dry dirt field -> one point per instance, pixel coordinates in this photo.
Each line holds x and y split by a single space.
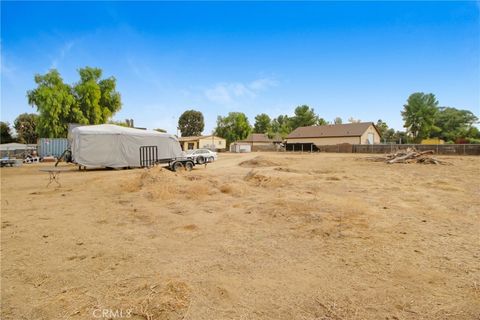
252 236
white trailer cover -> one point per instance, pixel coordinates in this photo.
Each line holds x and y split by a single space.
108 145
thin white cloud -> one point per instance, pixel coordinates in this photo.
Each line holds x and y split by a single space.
219 94
64 50
227 93
263 84
145 73
6 70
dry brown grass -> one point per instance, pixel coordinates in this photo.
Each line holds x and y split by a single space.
259 162
275 236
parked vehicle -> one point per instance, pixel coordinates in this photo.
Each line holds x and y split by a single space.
112 146
202 156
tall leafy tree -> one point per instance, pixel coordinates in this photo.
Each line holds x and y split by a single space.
90 101
97 99
26 127
262 123
304 116
337 120
56 105
419 115
280 126
233 127
454 123
191 123
5 132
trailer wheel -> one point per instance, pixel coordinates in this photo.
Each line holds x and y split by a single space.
177 166
188 166
211 159
200 159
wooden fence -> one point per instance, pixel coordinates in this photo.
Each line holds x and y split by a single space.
448 149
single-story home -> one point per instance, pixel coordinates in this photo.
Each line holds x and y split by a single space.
261 141
203 142
352 133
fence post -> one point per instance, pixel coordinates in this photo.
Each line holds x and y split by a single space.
437 148
311 148
464 146
302 147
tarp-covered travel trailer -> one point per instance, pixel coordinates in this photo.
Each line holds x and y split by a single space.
112 146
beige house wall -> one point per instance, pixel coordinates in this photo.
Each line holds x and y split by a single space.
376 136
338 140
219 143
263 143
185 144
326 141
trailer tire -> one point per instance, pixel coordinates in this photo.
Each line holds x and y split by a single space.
211 159
177 166
200 159
189 165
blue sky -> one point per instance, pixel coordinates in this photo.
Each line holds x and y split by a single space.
347 59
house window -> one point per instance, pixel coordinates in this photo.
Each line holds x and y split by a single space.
191 146
220 142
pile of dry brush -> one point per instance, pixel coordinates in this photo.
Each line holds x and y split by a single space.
410 155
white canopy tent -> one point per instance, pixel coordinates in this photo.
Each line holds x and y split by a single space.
108 145
17 146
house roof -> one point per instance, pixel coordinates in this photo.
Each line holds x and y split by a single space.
332 130
258 137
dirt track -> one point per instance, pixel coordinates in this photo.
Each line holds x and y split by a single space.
280 236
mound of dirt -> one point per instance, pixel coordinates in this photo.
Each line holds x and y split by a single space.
257 162
260 180
146 178
162 184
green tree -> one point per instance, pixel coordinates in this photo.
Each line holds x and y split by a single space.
191 123
26 127
338 120
321 122
353 120
97 99
233 127
400 137
160 130
419 115
387 134
5 132
304 116
119 123
90 101
56 105
262 123
281 126
454 124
